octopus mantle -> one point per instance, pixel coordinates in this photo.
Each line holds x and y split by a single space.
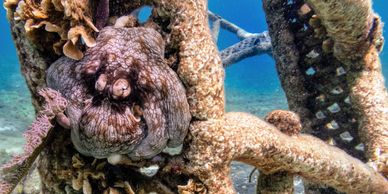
123 97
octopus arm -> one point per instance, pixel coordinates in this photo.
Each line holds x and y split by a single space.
156 137
177 110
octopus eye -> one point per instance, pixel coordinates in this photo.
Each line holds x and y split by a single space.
120 89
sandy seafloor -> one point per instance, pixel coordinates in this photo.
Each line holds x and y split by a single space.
251 85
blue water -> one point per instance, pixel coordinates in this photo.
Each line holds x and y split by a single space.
8 59
258 73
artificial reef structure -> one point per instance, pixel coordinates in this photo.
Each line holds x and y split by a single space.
114 98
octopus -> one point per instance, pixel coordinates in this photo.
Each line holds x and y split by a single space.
123 98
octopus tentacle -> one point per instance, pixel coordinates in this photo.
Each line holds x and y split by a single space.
156 138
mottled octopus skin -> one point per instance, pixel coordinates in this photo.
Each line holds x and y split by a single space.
103 125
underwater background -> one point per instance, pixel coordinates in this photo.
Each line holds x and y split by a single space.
251 85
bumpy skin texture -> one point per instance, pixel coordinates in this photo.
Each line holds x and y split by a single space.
123 97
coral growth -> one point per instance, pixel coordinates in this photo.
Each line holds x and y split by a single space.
337 41
202 75
280 182
352 25
246 138
286 121
69 20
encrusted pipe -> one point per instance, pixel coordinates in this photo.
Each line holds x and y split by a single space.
246 138
287 56
280 182
200 66
356 32
351 24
